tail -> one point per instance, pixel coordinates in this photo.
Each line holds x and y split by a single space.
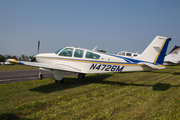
156 50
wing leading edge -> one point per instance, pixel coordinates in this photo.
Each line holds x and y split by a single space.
43 65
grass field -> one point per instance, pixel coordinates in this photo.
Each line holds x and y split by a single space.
138 95
15 67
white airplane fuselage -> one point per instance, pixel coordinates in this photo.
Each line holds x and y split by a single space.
106 62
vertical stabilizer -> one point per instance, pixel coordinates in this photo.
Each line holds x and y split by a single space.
156 50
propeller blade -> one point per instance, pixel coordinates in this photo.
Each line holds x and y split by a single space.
38 46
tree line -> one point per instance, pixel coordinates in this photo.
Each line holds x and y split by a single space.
21 58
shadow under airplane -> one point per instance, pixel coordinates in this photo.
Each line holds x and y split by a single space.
176 73
74 82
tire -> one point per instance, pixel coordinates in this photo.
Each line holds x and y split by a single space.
40 76
81 75
56 81
62 81
59 81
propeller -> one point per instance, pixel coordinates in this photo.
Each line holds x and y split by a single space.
34 58
38 46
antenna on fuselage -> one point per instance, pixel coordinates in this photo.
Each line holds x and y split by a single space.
95 48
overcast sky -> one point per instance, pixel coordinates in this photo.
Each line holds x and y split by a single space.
113 25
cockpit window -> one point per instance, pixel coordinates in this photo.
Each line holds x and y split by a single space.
67 52
92 55
59 50
78 53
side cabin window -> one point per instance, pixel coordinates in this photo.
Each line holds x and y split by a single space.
78 53
122 53
128 54
92 55
66 52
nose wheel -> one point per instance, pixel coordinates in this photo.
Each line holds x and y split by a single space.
40 76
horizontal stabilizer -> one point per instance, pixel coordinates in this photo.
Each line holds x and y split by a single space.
152 65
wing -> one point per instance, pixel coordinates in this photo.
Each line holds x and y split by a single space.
60 67
152 65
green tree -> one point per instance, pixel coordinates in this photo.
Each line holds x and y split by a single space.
2 58
10 57
101 51
31 58
23 58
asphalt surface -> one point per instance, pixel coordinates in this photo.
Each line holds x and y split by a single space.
24 75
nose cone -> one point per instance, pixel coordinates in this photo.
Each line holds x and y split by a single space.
33 59
44 56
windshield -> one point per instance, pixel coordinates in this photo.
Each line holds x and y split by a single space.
66 52
59 50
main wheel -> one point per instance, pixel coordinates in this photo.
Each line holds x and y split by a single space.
62 81
59 81
81 75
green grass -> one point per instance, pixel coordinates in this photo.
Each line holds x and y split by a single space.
15 67
138 95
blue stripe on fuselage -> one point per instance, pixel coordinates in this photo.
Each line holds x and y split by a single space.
128 60
21 63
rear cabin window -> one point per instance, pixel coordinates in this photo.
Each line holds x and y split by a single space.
78 53
66 52
92 55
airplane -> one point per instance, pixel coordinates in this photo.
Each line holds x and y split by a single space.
6 63
128 54
84 61
173 57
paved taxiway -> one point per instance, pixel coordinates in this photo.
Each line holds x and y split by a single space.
23 75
